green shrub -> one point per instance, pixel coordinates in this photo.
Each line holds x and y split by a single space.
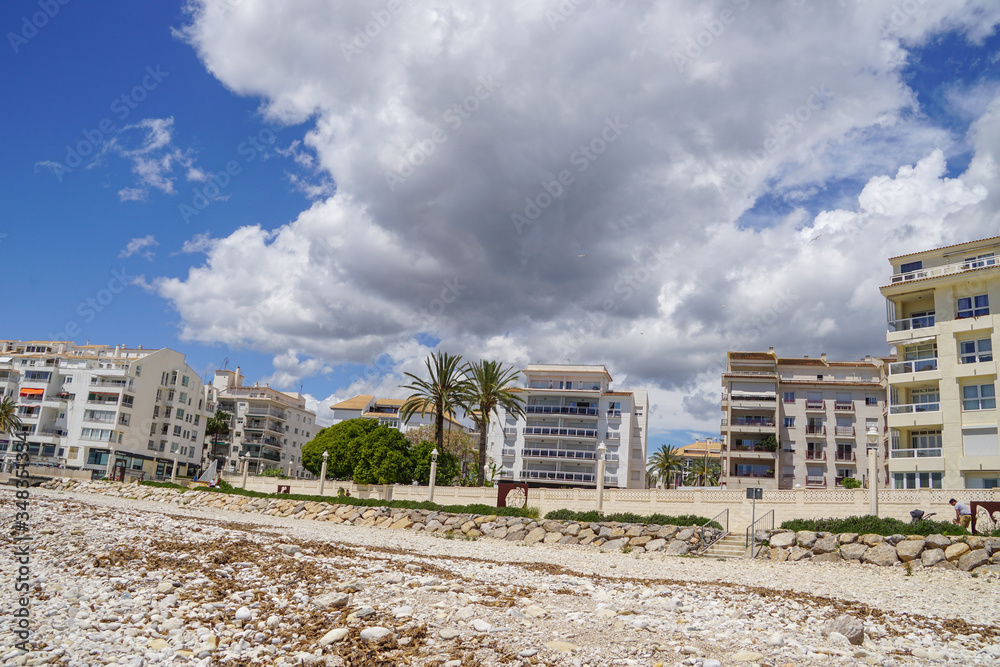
163 485
877 525
627 517
274 472
850 483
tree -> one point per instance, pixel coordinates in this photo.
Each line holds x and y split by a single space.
489 390
9 421
384 458
439 395
215 428
703 473
664 464
343 442
457 442
447 465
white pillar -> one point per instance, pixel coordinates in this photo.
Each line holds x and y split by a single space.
246 469
601 453
111 463
173 471
322 472
873 471
433 479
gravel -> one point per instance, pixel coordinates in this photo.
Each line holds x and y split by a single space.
127 582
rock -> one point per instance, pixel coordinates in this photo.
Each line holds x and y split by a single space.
871 539
528 653
956 551
158 644
289 549
375 633
402 612
479 625
931 557
677 548
848 626
332 600
561 647
614 545
937 541
747 656
243 614
536 535
798 553
448 633
165 587
711 662
847 538
973 559
832 557
534 611
332 636
882 555
685 534
776 639
656 545
825 546
782 540
688 650
908 550
805 538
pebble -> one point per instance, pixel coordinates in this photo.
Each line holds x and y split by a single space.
375 633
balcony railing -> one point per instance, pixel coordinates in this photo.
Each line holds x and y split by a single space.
907 408
612 435
944 270
843 406
844 431
568 432
915 366
813 429
752 448
558 454
845 457
268 412
615 414
52 431
101 382
751 421
559 410
815 455
920 453
815 481
909 323
815 405
755 475
558 476
750 397
508 452
270 442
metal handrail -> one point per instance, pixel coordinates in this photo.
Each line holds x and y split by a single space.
751 536
723 519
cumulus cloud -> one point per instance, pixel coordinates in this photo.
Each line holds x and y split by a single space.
140 246
537 184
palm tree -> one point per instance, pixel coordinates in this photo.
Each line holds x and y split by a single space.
9 421
439 395
217 426
664 464
704 472
489 390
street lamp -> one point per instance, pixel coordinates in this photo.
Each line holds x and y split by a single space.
873 471
111 463
246 468
434 469
602 451
173 471
322 472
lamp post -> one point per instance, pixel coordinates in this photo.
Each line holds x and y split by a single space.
602 451
246 468
873 471
434 470
173 471
111 463
322 472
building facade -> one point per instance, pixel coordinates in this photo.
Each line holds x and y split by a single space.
570 410
266 426
82 406
386 412
817 413
942 382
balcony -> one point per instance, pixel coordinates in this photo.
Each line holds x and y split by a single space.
556 476
845 457
908 408
612 435
815 405
751 421
816 481
814 429
614 414
911 323
267 412
843 431
558 454
915 366
755 475
508 452
559 410
267 442
945 269
752 448
815 455
843 406
561 432
920 453
103 382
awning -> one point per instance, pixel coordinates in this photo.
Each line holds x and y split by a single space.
914 341
32 392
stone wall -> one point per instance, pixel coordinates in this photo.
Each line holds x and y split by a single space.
968 553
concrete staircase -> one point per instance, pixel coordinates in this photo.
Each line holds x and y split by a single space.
730 546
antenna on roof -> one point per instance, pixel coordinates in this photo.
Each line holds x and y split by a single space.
225 362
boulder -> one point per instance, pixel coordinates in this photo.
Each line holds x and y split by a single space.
937 541
677 548
655 545
536 535
973 559
882 555
614 545
331 600
667 532
805 538
780 555
825 545
847 538
685 534
855 551
956 551
871 539
782 540
832 557
848 626
799 553
908 550
640 541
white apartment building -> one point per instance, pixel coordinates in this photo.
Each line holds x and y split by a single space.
266 425
82 404
386 412
818 411
942 315
570 410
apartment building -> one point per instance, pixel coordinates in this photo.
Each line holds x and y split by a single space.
570 410
695 456
386 412
266 425
942 382
818 413
82 405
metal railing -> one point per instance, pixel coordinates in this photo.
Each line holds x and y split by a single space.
908 323
908 408
922 452
814 405
914 366
843 406
766 522
844 431
557 476
945 269
722 518
751 421
571 432
559 410
558 454
813 429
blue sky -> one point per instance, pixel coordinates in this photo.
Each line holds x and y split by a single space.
216 179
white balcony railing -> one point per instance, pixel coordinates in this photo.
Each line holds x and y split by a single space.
909 323
925 452
908 408
915 366
944 270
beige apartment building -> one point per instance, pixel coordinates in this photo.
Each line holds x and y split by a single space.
818 411
386 412
942 384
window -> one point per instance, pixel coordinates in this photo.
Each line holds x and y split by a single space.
971 351
180 413
196 419
159 394
138 371
124 419
173 377
909 267
170 395
165 429
152 429
916 480
174 447
156 411
151 446
871 400
973 306
978 397
183 397
789 422
819 376
167 411
185 380
925 400
177 430
163 445
979 261
789 397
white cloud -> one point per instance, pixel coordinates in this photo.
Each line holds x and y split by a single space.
153 158
133 194
140 246
641 261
